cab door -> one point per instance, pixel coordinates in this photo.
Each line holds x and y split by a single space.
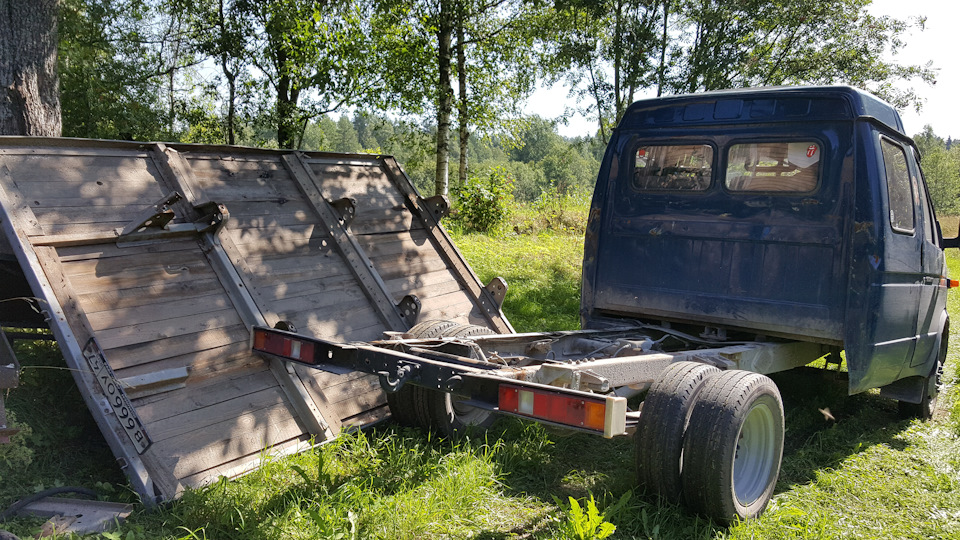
901 279
933 272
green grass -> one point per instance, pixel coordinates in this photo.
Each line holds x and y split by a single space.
542 273
866 474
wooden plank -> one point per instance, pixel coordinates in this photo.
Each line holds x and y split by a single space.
344 301
273 221
391 224
399 243
139 333
206 417
107 191
367 328
154 382
183 345
248 463
203 394
367 418
269 208
231 169
343 388
135 263
202 365
17 205
147 277
359 402
426 284
278 239
277 248
127 150
40 171
453 307
97 301
273 275
113 199
159 309
276 289
86 215
392 267
243 435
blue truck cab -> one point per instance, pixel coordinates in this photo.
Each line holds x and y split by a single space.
775 214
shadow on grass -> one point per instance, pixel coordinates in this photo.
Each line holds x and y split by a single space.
825 426
543 464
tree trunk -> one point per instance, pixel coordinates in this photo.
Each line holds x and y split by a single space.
663 48
232 103
229 74
463 110
29 92
445 98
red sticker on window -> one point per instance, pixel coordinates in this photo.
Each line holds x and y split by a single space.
811 150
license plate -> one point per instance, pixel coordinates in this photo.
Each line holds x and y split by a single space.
119 402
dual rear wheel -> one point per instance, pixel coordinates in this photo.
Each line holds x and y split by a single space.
439 411
711 438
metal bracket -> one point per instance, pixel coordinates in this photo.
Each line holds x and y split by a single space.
213 217
347 208
391 383
438 205
497 289
409 307
286 326
156 217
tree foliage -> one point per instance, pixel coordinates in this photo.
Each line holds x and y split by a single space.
267 72
941 169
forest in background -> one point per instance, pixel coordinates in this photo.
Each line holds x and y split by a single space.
442 84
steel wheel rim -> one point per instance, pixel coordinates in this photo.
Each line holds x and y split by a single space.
755 454
466 414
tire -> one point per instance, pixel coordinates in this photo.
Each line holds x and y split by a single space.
658 441
733 446
433 409
448 416
931 387
406 404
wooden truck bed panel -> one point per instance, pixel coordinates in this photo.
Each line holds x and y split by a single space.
169 309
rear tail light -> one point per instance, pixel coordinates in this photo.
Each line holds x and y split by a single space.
605 415
284 346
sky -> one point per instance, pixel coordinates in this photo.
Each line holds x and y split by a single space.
937 42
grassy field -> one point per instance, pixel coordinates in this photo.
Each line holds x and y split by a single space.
864 474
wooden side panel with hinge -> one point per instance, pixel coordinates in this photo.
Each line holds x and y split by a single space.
294 270
405 246
170 313
156 309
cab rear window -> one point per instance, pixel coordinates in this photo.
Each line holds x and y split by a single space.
782 167
682 167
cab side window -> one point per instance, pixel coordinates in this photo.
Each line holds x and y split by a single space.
930 232
899 192
684 167
785 167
